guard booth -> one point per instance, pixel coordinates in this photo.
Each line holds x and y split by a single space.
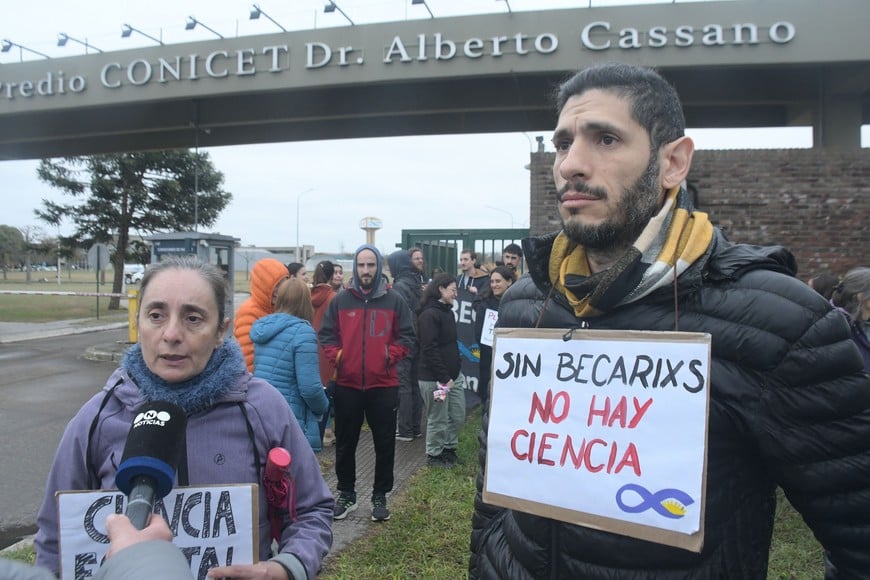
215 249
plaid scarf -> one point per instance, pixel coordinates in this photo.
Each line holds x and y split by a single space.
672 240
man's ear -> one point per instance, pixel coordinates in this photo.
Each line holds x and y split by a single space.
675 161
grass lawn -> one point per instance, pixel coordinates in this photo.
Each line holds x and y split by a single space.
429 533
36 308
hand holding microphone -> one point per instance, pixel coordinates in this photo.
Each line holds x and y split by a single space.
122 534
151 454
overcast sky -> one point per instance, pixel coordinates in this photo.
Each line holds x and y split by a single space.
469 181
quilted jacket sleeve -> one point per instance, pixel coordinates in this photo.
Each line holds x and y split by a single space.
813 428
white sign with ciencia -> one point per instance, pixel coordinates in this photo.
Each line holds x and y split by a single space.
606 429
213 525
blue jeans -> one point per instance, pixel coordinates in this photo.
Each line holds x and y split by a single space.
444 419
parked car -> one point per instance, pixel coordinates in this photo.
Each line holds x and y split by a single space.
134 277
133 273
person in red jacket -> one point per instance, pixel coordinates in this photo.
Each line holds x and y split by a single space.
366 331
265 277
321 295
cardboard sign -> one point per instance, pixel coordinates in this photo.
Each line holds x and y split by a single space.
213 525
605 429
487 334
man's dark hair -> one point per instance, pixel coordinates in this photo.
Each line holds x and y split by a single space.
653 102
471 253
514 249
323 272
825 284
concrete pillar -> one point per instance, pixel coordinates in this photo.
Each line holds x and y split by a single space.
838 119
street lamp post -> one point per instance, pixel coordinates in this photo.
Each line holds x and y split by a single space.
503 211
58 254
298 197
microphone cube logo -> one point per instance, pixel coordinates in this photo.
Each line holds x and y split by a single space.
151 417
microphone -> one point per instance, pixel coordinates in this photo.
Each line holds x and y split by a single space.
151 454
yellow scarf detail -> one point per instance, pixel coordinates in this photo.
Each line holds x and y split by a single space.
672 241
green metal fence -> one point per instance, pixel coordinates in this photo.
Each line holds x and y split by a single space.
441 247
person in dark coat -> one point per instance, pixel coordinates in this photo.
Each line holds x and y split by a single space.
407 284
500 279
789 403
442 384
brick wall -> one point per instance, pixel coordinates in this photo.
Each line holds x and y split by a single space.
814 202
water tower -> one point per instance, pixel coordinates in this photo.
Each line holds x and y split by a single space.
370 225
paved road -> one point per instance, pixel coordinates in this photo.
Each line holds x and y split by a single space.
42 384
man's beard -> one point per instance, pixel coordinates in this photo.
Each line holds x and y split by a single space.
363 285
639 203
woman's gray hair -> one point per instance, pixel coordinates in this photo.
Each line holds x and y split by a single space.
213 276
855 282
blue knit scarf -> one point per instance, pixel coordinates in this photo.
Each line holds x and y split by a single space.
196 394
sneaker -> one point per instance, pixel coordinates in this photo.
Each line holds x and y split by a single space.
345 504
438 461
380 513
418 434
403 437
328 438
451 457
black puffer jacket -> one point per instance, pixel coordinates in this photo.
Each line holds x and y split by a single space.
789 406
439 352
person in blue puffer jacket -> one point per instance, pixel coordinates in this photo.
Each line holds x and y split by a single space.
285 355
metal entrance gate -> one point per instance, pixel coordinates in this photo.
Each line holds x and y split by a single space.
441 247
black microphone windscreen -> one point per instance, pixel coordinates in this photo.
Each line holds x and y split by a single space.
153 446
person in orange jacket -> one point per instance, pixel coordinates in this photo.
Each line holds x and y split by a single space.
265 277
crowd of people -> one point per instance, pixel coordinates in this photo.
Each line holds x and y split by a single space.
789 396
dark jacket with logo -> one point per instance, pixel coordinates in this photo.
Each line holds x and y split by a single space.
789 407
366 334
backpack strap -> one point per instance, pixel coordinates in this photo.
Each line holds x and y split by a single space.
183 476
253 441
89 455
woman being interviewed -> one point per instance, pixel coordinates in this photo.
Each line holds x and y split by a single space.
285 355
234 419
442 384
500 279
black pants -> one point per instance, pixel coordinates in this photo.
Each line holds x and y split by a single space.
410 402
378 407
484 375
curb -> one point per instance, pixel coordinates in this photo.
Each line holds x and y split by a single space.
62 331
22 544
112 352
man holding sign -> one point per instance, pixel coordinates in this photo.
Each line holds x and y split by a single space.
785 402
